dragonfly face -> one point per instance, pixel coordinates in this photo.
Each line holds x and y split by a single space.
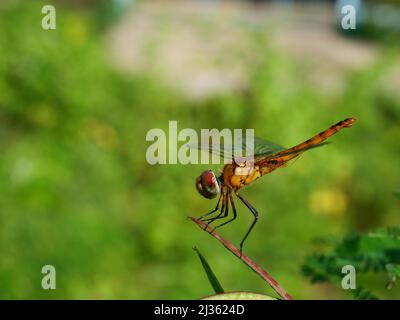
208 185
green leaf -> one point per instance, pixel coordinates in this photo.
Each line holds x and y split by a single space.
239 295
376 251
363 294
210 274
393 271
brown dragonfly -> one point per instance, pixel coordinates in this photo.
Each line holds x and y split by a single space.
266 158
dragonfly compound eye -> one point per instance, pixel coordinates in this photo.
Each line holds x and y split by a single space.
207 184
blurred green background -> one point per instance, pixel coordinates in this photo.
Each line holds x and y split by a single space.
76 103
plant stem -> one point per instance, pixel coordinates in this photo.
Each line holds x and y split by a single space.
254 266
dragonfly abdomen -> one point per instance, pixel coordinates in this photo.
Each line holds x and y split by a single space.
320 137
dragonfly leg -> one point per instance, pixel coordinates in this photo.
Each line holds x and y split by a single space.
224 210
233 210
212 211
255 214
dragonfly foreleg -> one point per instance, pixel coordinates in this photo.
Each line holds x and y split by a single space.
224 210
212 211
255 214
233 210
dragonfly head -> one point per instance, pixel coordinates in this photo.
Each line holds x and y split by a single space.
208 185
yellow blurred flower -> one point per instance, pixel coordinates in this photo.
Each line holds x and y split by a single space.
75 30
329 202
43 115
102 134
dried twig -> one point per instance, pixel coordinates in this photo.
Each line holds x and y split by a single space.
254 266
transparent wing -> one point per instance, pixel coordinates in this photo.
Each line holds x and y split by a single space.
264 148
225 151
241 149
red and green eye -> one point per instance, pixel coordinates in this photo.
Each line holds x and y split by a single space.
207 184
208 178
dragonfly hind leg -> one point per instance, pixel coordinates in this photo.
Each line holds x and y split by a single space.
255 214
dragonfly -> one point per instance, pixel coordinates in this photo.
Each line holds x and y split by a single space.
240 172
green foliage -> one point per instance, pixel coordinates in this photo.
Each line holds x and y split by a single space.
377 251
210 274
393 271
